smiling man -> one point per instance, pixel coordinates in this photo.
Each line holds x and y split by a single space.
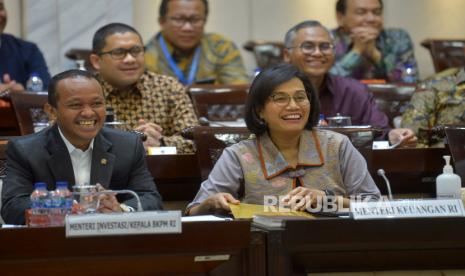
154 104
364 48
309 46
78 150
184 51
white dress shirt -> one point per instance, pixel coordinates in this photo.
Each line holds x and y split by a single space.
81 160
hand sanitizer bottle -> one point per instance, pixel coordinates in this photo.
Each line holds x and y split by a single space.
448 184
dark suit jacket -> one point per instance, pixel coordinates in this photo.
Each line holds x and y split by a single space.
118 162
20 59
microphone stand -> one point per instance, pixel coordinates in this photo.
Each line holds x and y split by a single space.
381 173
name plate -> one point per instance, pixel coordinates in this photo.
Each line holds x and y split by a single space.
407 209
134 223
161 150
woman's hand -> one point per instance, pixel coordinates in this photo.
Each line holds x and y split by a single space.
214 203
302 198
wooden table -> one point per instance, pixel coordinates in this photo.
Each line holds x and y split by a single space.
46 251
332 245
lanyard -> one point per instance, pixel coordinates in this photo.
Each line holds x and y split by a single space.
174 67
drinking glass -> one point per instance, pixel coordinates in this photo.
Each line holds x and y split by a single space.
87 198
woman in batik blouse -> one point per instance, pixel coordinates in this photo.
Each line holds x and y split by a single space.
287 160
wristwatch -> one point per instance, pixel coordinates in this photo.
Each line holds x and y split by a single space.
126 208
162 142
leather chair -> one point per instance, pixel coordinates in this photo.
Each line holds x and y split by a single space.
218 102
8 123
28 108
446 53
361 136
267 53
392 99
210 142
81 54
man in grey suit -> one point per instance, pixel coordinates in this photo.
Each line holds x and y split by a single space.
79 150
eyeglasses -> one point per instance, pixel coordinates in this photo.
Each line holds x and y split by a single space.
310 47
181 21
283 99
120 53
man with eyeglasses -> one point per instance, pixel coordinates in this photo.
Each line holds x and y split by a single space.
154 104
309 46
184 51
366 50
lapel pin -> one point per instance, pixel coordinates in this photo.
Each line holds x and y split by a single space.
103 161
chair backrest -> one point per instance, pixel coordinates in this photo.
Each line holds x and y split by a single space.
361 136
28 107
446 53
266 53
8 123
219 102
81 55
210 142
392 99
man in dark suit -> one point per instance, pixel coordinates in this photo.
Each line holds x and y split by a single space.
79 150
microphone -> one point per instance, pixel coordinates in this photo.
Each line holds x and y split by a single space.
388 185
206 122
136 196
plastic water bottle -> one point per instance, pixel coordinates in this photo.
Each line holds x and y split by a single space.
54 207
34 83
39 210
61 202
409 74
66 197
322 120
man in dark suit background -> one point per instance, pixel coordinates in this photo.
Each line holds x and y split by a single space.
79 150
18 59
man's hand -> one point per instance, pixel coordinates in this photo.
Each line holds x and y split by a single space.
404 137
153 132
364 42
108 202
10 85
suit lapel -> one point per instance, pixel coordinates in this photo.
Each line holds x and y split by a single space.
103 161
60 162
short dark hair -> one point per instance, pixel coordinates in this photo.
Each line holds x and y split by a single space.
292 33
163 10
262 87
98 42
341 6
70 74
